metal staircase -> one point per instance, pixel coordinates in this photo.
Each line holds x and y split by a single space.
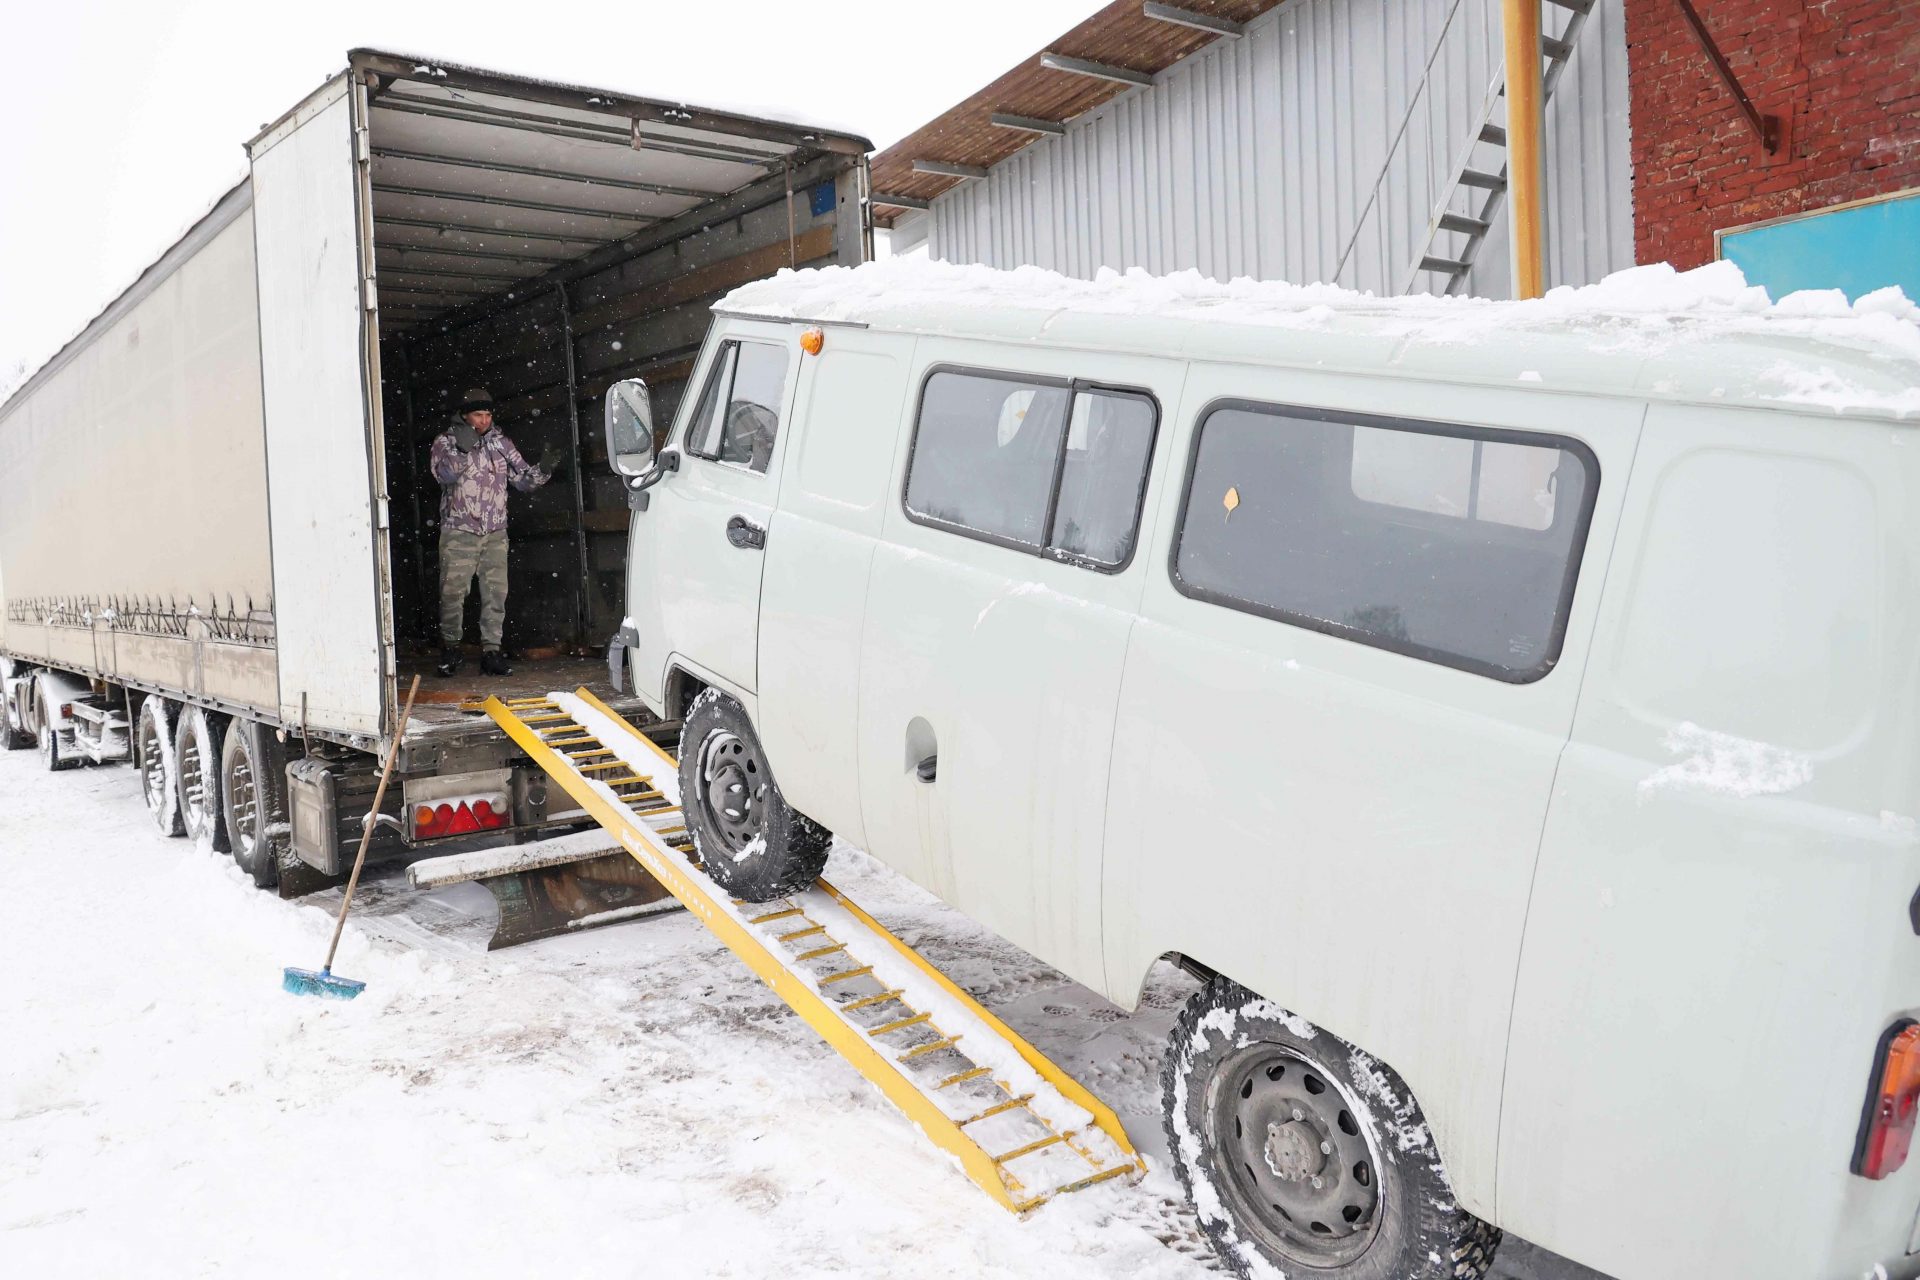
1468 207
1020 1127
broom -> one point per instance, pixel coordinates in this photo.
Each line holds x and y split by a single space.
305 982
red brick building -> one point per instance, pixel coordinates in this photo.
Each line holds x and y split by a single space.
1842 78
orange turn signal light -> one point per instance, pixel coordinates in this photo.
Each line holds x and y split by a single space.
812 340
1887 1128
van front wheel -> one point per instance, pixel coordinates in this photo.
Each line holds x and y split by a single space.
1299 1149
750 841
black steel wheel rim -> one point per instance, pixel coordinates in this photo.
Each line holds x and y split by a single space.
733 784
1299 1168
153 763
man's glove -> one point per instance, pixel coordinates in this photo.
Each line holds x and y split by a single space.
550 461
465 438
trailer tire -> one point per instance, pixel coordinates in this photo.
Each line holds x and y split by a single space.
253 799
153 756
13 735
196 760
1260 1106
751 842
48 737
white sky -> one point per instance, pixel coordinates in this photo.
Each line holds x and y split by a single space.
125 120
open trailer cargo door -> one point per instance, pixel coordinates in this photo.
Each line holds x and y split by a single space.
308 180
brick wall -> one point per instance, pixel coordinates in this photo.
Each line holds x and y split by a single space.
1844 75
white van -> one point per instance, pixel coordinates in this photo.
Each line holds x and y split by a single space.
1511 710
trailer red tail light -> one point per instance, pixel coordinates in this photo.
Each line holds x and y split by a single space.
461 817
1887 1128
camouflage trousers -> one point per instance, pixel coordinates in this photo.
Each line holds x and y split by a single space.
463 557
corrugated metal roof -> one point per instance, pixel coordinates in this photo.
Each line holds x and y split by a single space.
1119 35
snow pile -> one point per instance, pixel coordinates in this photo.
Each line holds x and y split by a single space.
1727 765
626 1102
1640 311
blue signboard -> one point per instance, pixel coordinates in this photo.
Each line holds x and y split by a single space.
1857 248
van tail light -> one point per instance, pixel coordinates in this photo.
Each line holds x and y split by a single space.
1887 1127
461 817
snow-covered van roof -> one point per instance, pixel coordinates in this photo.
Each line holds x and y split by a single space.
1652 332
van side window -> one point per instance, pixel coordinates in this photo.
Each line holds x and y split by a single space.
738 416
1454 545
1037 464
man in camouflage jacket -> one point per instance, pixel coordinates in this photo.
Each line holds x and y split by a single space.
474 464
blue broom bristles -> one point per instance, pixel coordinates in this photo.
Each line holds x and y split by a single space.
306 982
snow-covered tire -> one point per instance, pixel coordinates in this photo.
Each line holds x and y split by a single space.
1260 1105
14 735
48 738
153 730
751 842
196 762
253 799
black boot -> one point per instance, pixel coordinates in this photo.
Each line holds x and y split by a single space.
492 664
449 660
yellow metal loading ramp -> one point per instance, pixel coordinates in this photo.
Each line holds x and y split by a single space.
1019 1125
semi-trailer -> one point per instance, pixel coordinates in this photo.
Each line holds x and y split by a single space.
217 523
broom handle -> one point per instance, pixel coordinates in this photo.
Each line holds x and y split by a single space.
366 832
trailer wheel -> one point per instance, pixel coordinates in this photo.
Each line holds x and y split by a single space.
196 759
13 735
750 841
253 795
1301 1151
153 757
48 738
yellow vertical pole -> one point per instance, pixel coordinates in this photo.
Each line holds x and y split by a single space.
1526 174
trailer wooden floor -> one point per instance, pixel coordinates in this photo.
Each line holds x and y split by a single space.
443 700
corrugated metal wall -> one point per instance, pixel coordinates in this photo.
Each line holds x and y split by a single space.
1313 149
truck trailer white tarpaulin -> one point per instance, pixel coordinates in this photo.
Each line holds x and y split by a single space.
217 493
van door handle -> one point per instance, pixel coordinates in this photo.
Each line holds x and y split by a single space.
744 533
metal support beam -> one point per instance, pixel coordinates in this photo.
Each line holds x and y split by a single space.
392 269
578 455
901 202
433 291
1098 70
1032 124
549 175
423 602
504 202
578 130
1526 185
483 255
467 228
1198 21
1766 129
948 169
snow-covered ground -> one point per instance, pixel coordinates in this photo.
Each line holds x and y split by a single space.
627 1102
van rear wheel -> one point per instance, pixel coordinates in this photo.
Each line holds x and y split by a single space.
1297 1148
750 841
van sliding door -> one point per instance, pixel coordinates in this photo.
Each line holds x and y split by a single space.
313 345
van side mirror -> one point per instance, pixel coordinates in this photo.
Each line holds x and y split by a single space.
630 427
